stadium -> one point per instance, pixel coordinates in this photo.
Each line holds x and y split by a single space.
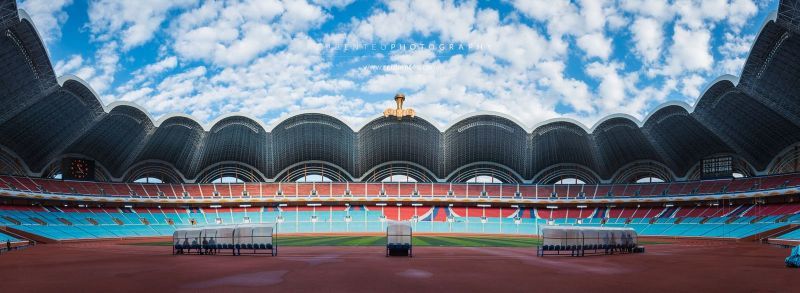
90 192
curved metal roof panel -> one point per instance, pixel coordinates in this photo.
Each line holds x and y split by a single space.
755 117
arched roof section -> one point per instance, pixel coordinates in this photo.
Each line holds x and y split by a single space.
555 173
82 90
681 138
490 169
313 136
560 142
236 169
789 14
485 138
9 14
771 73
67 117
162 170
403 168
176 141
749 128
636 170
510 119
27 71
240 115
387 139
114 138
301 170
620 141
238 139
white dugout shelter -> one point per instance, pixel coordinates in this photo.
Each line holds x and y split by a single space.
578 240
244 238
398 239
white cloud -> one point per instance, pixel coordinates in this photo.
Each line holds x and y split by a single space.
99 73
695 13
570 91
161 66
106 64
595 45
611 90
734 53
412 57
300 15
70 65
691 86
235 33
740 11
333 3
132 22
649 37
270 58
402 18
690 51
659 10
48 15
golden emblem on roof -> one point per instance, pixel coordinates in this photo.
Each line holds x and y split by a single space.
399 112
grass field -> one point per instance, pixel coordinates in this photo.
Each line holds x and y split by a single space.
355 240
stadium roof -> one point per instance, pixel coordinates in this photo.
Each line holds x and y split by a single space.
754 118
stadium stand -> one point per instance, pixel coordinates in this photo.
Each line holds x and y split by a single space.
754 121
82 221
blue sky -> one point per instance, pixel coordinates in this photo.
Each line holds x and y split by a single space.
531 59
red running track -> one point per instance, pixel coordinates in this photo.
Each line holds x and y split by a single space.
683 265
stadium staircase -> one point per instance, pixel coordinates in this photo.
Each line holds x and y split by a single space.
23 235
774 233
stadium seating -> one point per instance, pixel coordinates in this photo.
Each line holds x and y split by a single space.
688 220
64 223
764 183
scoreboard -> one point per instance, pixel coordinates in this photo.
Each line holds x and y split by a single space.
717 167
77 169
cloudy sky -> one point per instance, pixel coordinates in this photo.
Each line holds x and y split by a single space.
531 59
